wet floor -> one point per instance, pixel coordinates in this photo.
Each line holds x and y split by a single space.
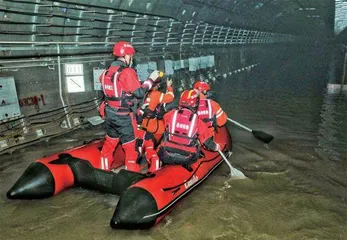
296 187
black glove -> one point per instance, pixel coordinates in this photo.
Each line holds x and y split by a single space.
139 119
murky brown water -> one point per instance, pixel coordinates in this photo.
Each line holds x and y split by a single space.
296 187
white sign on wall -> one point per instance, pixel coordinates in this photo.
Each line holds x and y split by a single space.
177 64
9 105
142 71
73 69
96 74
192 64
152 66
75 84
169 68
211 61
204 62
185 63
74 78
198 63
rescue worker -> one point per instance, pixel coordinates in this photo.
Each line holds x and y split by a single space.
208 110
153 107
184 133
152 112
122 89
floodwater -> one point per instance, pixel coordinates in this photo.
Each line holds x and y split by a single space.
296 185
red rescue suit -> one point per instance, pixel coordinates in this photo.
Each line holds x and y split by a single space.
148 143
122 90
211 113
183 134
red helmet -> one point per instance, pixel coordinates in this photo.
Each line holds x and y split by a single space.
120 49
201 86
189 98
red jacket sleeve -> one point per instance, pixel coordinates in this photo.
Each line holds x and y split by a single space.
221 116
203 131
168 96
206 136
131 83
129 80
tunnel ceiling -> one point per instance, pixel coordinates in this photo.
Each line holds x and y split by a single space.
47 28
283 16
298 17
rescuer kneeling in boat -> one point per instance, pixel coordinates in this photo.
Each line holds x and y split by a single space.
209 111
184 133
122 90
153 111
153 107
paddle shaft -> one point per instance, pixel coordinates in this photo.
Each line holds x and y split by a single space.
233 171
225 159
240 125
262 136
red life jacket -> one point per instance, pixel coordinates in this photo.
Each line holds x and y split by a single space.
205 111
180 144
181 132
114 92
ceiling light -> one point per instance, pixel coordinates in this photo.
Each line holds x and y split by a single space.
307 9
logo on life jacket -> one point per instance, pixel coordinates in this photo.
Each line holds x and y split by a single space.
191 182
108 87
203 112
183 126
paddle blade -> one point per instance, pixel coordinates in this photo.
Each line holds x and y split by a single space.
234 172
266 138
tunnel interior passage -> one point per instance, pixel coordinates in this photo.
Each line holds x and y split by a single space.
52 52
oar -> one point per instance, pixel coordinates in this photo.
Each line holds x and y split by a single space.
266 138
233 171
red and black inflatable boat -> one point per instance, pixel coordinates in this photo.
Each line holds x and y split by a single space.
144 199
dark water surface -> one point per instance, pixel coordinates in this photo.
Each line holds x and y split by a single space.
296 187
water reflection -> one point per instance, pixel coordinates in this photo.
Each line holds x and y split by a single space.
333 129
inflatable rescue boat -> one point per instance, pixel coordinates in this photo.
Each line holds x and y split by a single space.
144 199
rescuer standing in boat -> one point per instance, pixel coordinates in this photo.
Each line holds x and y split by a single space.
122 90
209 111
184 133
153 111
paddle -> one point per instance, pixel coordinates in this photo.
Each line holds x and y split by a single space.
266 138
233 171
